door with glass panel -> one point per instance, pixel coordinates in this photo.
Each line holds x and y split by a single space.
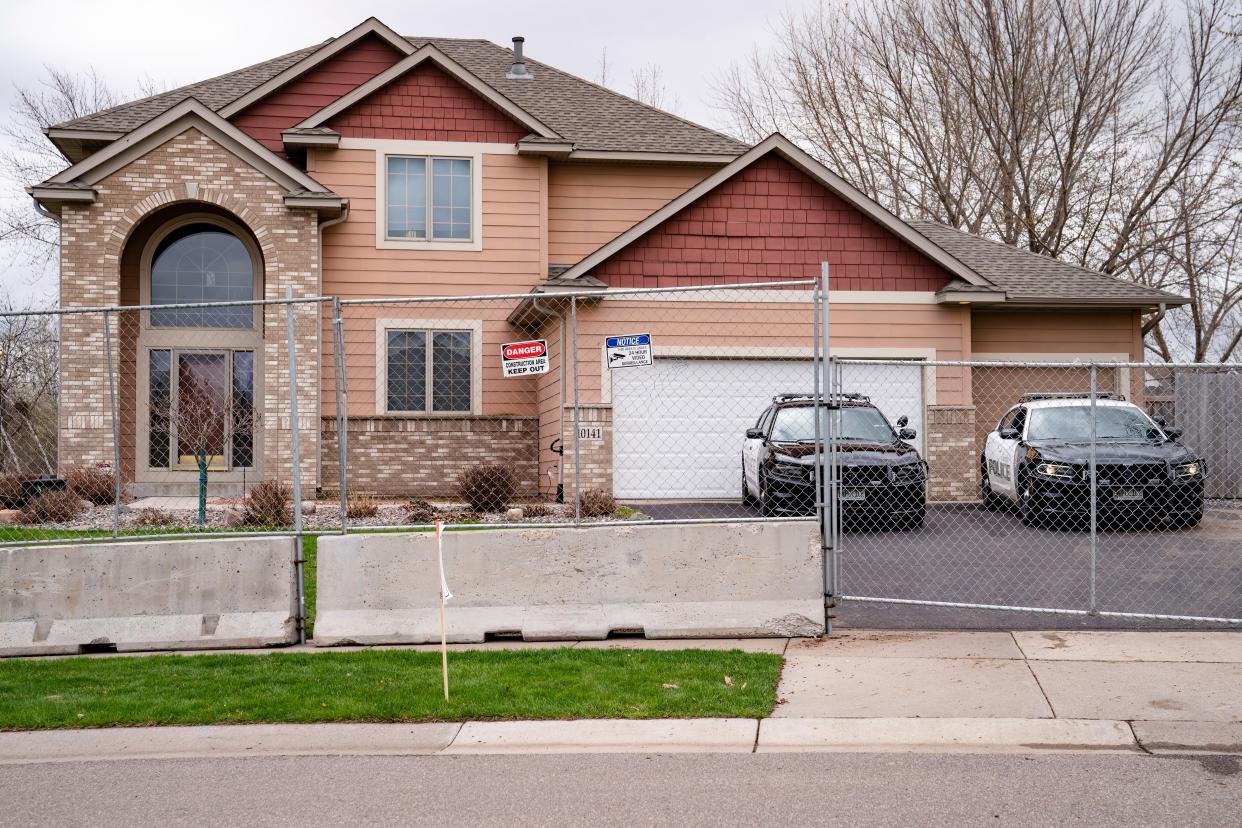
201 403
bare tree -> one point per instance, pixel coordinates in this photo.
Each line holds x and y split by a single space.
1104 132
648 86
601 76
28 157
28 388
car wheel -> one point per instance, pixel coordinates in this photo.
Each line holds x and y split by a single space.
991 501
1191 520
1026 504
766 507
747 498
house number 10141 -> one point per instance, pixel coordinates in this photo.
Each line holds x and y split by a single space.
590 432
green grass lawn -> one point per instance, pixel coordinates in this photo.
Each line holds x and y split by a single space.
385 686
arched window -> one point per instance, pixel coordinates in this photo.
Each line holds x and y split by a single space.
202 262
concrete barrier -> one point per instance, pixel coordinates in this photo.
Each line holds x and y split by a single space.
165 595
682 581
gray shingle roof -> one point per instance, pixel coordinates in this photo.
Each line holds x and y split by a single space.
593 117
1031 277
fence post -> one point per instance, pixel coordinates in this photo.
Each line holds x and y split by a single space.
1091 472
116 431
342 408
827 525
573 316
295 461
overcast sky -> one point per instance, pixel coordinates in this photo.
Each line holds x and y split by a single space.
175 43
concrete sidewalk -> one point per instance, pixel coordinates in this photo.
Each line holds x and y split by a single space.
856 691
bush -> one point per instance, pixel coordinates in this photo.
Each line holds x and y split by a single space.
536 510
154 518
269 504
420 511
488 487
52 506
362 506
92 484
11 494
597 503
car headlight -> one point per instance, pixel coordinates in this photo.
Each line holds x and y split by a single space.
789 471
909 473
1188 469
1057 470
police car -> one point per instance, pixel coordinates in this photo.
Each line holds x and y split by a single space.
883 478
1038 458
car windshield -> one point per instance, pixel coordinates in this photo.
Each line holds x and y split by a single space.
796 423
1073 424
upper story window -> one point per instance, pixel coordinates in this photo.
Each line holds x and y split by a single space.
428 198
202 262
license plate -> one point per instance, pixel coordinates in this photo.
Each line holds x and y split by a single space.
853 494
1128 494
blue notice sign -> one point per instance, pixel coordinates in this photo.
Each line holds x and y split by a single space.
628 351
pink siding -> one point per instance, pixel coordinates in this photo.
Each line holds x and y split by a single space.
771 221
591 204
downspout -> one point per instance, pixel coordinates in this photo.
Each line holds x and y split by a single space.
560 412
319 329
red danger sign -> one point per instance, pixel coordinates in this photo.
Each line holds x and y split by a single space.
524 359
521 350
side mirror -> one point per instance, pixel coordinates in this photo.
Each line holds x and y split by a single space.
754 434
907 433
1172 432
1158 420
1009 433
903 421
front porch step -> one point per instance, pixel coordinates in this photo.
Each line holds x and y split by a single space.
229 489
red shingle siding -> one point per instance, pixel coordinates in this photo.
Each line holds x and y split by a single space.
298 100
427 104
771 221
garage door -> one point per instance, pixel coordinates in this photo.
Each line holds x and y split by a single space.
678 425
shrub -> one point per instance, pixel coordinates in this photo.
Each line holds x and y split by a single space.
536 510
92 484
488 487
11 494
269 504
362 506
52 506
154 517
420 511
597 503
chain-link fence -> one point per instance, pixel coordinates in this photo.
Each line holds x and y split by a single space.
1109 488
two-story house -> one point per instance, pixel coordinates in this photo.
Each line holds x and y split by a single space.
376 165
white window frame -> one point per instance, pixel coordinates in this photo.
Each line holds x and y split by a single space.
472 152
472 326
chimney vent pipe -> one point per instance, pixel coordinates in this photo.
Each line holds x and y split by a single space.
518 70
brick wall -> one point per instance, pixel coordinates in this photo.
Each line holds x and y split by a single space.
426 104
595 456
771 221
952 456
413 456
189 168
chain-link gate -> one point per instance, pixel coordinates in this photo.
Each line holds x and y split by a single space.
1102 489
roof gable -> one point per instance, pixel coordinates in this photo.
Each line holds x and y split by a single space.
428 53
774 147
75 182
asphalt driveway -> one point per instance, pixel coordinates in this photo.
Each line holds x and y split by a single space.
966 554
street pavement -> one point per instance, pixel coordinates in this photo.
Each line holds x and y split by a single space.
634 789
967 554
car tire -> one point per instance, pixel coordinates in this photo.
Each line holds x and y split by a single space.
991 501
1191 520
747 498
1026 511
766 508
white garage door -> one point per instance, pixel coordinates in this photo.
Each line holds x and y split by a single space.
678 425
